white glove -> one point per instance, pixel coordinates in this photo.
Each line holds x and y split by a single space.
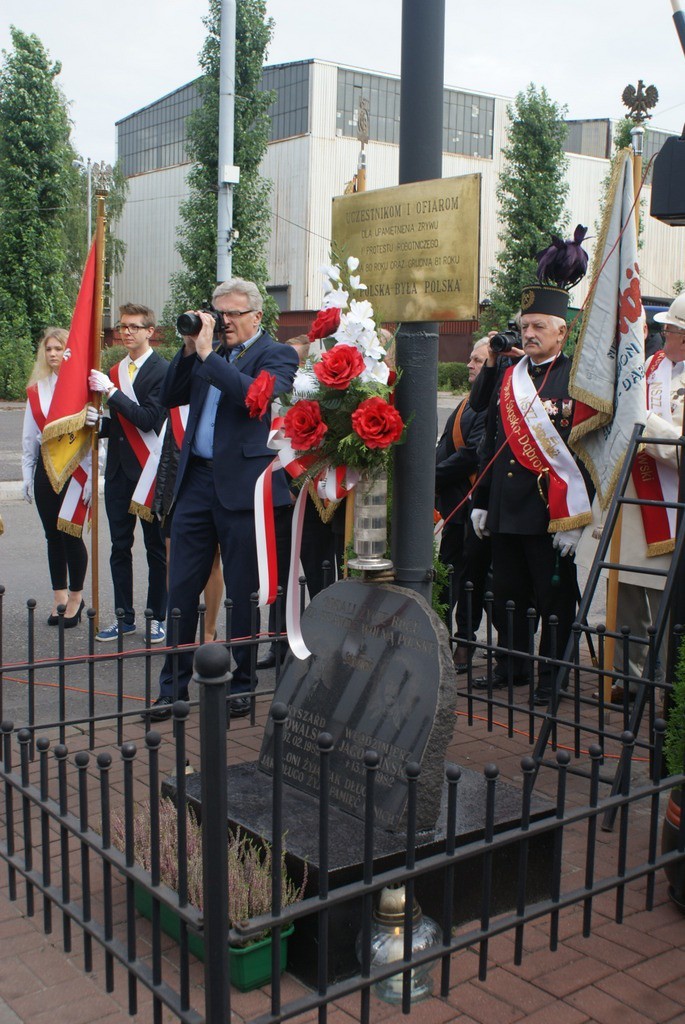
99 381
92 415
88 491
27 491
479 517
566 541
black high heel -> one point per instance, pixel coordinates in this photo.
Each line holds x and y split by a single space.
74 620
53 620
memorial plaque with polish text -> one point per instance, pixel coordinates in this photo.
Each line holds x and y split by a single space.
380 677
418 247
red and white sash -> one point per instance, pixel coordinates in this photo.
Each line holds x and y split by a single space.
653 480
73 511
179 421
146 445
538 447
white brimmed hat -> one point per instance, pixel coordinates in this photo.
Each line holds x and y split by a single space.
675 314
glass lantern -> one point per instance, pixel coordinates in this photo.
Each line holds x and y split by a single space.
387 945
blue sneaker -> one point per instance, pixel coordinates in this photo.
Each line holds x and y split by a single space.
112 632
157 632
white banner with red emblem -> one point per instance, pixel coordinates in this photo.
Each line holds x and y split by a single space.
607 377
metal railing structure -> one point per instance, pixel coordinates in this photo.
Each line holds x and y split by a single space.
56 844
72 757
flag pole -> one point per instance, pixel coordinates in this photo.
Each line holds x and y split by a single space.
96 398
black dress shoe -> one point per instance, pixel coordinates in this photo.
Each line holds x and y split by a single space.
238 707
541 697
498 682
162 708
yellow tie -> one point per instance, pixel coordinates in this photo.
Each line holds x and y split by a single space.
132 370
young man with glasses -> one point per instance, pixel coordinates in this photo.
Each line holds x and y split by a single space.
132 391
224 452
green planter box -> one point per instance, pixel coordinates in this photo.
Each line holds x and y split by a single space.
250 966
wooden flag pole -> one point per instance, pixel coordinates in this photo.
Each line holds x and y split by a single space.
97 400
637 134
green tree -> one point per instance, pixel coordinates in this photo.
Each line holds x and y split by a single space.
531 192
77 230
38 186
251 212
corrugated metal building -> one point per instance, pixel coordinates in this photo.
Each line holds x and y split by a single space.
312 155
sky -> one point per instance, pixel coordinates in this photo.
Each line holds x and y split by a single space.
119 57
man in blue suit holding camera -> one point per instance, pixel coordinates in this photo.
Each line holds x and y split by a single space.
224 452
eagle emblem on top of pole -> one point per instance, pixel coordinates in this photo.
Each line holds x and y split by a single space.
640 100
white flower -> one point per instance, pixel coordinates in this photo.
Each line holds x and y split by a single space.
305 383
332 272
352 264
363 313
356 284
376 371
336 297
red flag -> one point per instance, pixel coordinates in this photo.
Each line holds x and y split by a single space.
66 439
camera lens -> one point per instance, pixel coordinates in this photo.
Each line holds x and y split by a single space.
188 324
501 342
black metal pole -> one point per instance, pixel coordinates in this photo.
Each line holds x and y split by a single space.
421 100
211 671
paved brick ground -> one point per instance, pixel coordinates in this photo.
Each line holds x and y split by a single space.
622 973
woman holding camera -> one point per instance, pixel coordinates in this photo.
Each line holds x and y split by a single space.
67 554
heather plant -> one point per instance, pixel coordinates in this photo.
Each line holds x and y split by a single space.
249 862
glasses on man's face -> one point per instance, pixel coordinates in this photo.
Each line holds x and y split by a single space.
129 328
673 330
235 314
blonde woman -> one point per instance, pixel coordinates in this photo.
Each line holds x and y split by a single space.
67 555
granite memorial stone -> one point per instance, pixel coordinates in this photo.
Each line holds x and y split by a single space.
380 677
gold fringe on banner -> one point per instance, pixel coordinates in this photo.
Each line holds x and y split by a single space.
142 511
660 547
605 410
65 444
73 529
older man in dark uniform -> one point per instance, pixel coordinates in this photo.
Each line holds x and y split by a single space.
534 498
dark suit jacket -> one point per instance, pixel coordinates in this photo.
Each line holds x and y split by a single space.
147 415
240 442
453 467
509 491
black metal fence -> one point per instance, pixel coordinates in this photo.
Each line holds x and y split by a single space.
69 765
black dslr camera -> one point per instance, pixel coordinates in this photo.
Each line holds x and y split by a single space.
189 324
506 340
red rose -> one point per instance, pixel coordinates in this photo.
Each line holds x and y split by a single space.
339 366
258 397
304 426
377 423
326 323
